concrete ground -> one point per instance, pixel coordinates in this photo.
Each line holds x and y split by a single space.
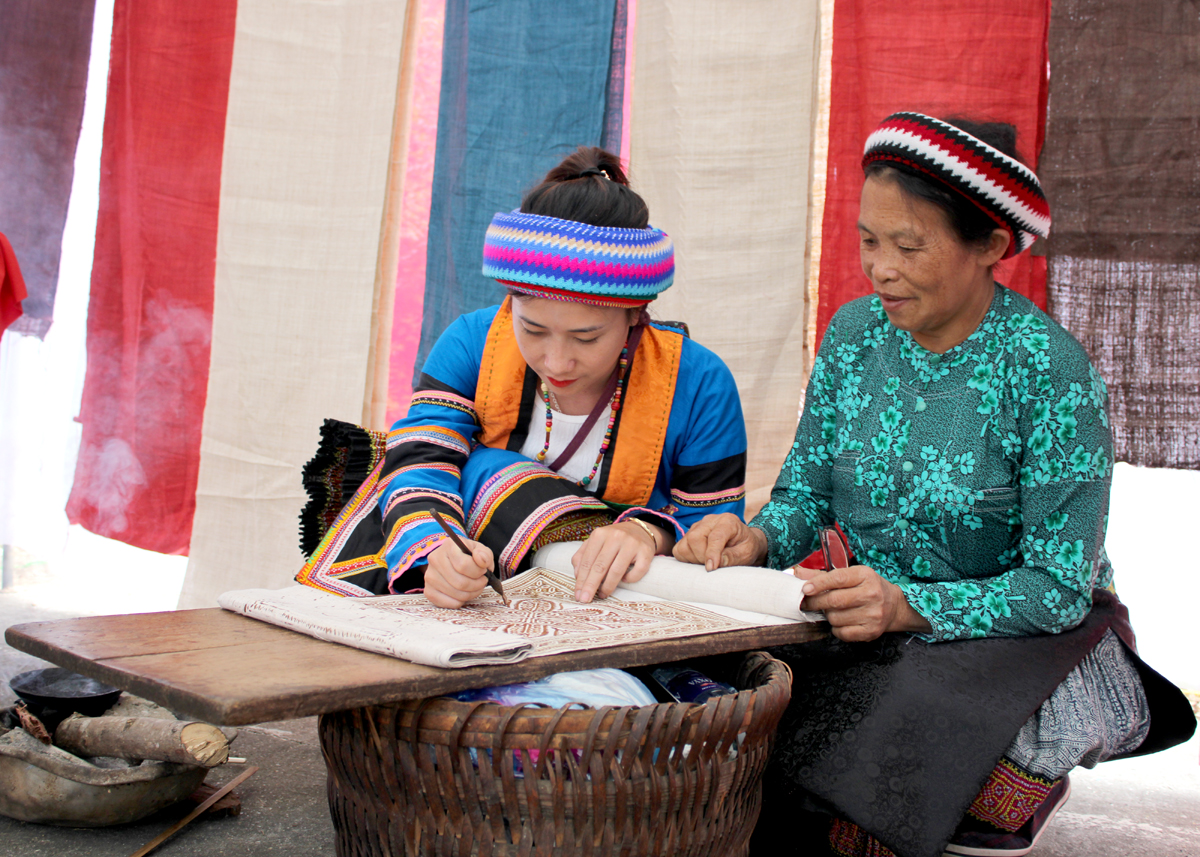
1148 807
1140 807
283 805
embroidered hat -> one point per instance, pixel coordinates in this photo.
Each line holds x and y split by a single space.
568 260
1003 188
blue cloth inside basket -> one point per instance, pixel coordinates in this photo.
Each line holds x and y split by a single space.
592 688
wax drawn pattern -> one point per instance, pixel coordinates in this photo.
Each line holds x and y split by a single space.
545 612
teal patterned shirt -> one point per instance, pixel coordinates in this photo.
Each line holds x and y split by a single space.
977 480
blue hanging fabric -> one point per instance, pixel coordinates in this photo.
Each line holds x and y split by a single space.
523 83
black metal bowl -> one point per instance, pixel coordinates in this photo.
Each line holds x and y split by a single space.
62 690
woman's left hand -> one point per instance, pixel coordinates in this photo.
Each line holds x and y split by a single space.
611 554
859 604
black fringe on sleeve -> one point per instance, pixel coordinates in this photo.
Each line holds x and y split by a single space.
345 457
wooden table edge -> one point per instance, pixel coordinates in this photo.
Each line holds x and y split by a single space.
246 711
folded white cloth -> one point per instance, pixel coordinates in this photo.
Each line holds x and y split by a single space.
756 590
356 622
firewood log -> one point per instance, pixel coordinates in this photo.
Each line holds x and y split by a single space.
187 743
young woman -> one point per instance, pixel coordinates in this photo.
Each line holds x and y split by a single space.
563 413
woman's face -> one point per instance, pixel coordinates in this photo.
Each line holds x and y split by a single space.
931 283
572 347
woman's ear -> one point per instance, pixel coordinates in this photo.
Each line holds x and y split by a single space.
995 248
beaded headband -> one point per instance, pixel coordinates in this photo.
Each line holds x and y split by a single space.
1002 187
571 261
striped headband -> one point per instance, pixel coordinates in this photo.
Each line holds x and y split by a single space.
1003 188
568 260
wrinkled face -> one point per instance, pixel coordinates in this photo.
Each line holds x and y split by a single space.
573 347
931 283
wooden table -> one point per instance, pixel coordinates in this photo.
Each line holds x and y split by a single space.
227 669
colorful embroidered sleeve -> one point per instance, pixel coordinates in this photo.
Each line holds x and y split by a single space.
1061 451
427 449
705 455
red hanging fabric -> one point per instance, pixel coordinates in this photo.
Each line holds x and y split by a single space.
12 285
972 58
150 314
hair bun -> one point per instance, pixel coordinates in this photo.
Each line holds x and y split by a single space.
567 194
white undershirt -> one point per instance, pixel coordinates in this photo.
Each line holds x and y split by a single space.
562 431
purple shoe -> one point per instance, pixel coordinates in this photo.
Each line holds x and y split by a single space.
979 839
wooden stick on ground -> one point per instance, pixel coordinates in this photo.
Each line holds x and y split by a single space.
191 816
143 738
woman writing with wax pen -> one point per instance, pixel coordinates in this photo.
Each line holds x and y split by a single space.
563 413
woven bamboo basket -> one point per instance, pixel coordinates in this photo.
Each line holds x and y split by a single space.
441 777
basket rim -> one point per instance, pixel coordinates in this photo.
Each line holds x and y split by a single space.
778 675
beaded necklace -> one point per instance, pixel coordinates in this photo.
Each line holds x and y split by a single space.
622 366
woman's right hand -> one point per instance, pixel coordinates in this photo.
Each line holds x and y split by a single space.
721 540
452 578
859 604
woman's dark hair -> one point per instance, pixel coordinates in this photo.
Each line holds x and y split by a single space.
588 186
640 315
967 220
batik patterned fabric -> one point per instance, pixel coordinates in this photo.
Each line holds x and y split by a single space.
1098 711
573 527
847 839
1002 187
569 260
976 480
542 608
516 500
1010 796
1007 800
437 460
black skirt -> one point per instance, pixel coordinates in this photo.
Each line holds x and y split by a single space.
898 735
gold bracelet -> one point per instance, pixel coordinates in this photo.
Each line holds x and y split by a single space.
649 531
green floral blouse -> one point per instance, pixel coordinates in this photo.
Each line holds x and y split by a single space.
977 480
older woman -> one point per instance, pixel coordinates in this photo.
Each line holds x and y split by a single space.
958 437
563 413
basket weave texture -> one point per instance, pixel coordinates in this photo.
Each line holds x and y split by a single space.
441 777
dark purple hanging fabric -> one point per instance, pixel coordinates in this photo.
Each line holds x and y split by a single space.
44 51
1121 171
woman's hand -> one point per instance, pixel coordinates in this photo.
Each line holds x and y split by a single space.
452 578
614 553
859 604
720 540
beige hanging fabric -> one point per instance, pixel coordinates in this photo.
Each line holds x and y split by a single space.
724 98
307 150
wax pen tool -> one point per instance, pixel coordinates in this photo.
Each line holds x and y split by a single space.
492 580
